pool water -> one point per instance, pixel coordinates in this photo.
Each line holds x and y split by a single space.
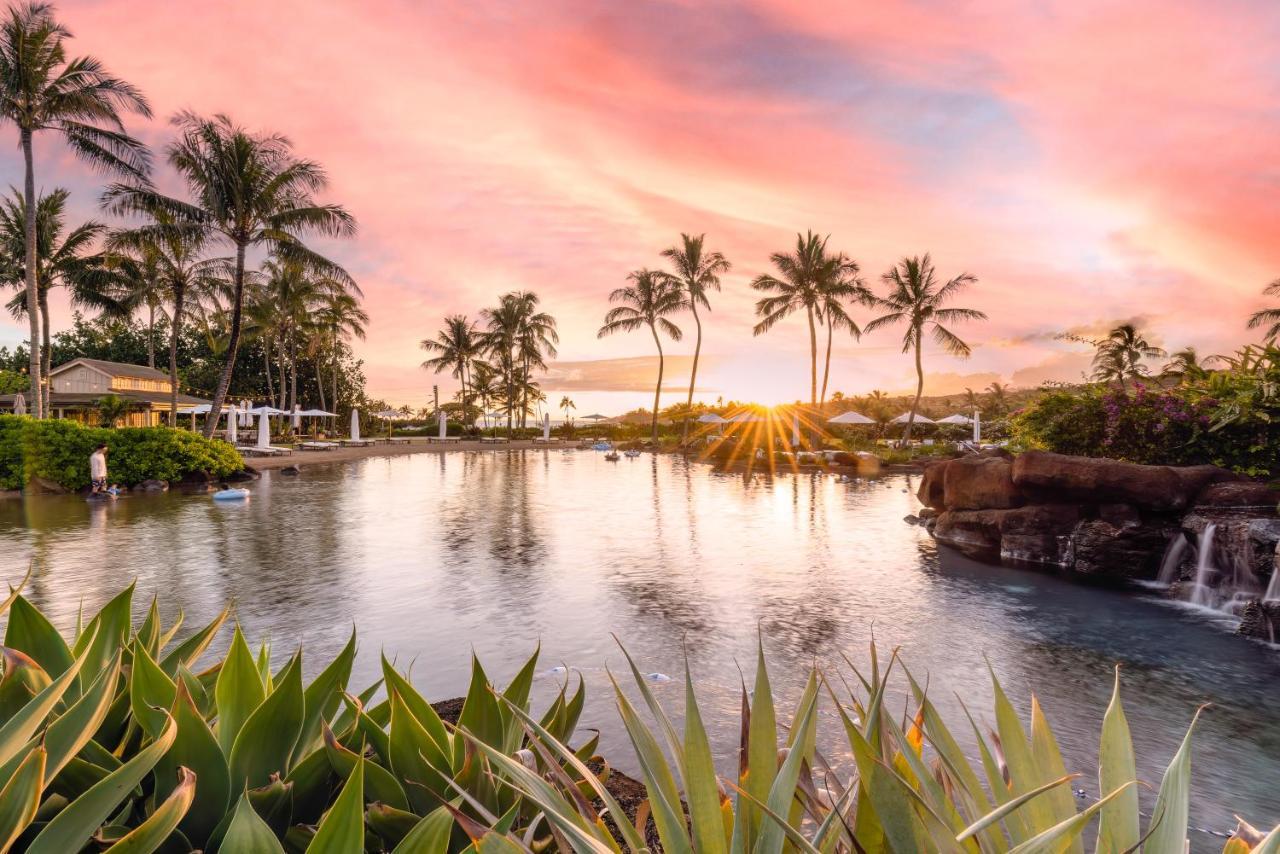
435 555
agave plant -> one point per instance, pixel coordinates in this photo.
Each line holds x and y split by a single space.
787 797
116 741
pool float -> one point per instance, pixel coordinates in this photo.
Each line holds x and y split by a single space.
231 495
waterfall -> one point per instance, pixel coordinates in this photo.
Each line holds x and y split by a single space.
1201 592
1273 588
1172 559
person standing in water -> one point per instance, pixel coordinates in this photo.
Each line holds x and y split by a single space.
98 469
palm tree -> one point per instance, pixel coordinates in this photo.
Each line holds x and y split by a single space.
916 299
249 190
834 294
41 89
63 259
697 272
1268 315
483 386
503 325
1119 356
999 397
163 259
803 277
971 399
535 343
651 296
339 317
566 404
456 346
1185 365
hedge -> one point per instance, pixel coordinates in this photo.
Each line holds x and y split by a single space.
58 451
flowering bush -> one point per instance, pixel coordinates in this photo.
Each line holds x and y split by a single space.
1185 425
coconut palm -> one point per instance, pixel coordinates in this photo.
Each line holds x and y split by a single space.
500 339
164 264
999 395
64 258
456 346
1269 317
647 301
339 317
835 295
42 90
248 190
1118 357
565 405
915 298
1185 364
803 277
698 272
971 399
535 343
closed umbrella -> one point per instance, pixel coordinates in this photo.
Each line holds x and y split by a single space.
232 415
246 417
297 418
795 430
19 404
546 426
264 431
355 425
444 423
851 417
977 427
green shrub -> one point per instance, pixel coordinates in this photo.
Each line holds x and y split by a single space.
58 451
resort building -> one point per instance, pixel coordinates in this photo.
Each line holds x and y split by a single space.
78 385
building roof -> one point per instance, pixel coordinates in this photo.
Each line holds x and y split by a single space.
114 369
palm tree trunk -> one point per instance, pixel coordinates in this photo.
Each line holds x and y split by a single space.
657 392
151 334
293 373
33 318
911 419
693 375
46 355
266 368
233 347
178 295
813 359
826 368
320 383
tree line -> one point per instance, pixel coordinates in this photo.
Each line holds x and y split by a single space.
244 192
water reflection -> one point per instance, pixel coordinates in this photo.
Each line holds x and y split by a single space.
434 555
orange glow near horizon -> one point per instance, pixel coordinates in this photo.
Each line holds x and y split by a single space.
1086 175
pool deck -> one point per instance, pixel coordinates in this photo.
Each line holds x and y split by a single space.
415 446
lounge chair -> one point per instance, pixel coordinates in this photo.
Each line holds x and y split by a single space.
255 451
317 446
356 443
397 440
443 439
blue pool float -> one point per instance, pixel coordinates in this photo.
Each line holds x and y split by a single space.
231 495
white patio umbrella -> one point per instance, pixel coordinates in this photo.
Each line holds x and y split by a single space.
444 424
963 420
711 418
747 417
851 417
920 419
19 404
596 417
355 425
232 416
546 426
317 413
264 431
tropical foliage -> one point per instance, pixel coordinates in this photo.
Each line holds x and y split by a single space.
57 452
124 738
648 301
698 272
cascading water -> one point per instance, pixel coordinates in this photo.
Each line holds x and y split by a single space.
1172 560
1201 590
1273 588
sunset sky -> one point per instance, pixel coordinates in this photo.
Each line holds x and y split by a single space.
1089 162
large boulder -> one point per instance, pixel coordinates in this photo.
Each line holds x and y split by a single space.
1037 533
931 492
1103 481
1120 546
1260 620
980 483
1239 493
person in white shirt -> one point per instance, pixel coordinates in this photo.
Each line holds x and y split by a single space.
98 469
